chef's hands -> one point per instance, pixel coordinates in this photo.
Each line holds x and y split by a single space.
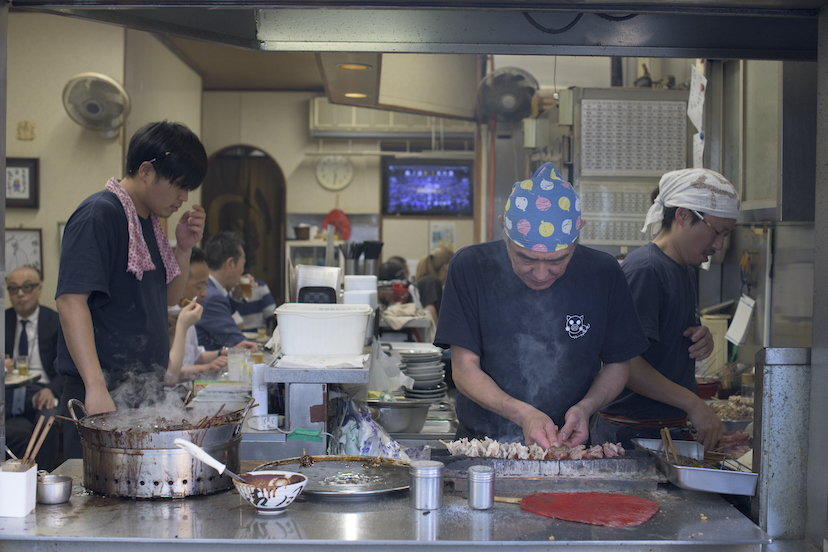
707 423
576 429
538 428
702 342
190 228
98 400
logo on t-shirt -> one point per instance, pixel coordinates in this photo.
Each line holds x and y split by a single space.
575 326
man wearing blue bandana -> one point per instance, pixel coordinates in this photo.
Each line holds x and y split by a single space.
530 320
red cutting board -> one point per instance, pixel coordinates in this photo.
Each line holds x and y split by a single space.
612 510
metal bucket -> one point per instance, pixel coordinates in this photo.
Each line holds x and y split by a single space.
146 464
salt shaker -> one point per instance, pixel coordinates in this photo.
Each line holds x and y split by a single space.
426 484
481 487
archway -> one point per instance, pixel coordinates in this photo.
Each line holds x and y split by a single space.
244 192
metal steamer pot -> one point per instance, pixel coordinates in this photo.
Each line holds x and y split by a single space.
146 464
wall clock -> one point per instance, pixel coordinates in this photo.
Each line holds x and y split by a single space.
334 172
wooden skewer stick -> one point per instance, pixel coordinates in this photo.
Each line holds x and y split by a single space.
670 441
42 436
33 438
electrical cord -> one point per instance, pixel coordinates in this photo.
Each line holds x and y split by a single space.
578 17
616 18
548 30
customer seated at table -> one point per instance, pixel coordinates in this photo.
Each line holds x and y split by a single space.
431 277
31 331
188 359
256 312
403 263
217 328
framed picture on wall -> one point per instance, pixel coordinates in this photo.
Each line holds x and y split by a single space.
23 248
22 183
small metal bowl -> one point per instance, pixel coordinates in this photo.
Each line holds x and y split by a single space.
53 489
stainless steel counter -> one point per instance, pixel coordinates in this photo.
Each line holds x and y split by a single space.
88 522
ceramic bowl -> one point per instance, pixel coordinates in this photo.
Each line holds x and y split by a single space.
271 499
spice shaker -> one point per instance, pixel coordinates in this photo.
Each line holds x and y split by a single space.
426 484
481 487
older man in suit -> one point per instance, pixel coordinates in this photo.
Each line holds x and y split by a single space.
31 330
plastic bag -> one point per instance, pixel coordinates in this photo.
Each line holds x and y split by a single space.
385 374
359 435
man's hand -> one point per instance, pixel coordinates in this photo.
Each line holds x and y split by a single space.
9 364
576 428
539 429
248 345
190 228
218 364
702 342
44 399
98 400
236 292
707 423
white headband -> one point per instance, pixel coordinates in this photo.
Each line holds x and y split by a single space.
700 189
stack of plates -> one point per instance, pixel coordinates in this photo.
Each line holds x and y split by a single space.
425 366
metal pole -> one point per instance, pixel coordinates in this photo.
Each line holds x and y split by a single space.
4 48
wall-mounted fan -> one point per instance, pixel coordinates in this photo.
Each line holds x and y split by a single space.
506 94
96 102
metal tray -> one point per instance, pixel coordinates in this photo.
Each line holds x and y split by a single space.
701 479
345 477
690 449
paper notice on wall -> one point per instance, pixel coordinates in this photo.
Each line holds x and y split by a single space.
737 332
695 103
698 151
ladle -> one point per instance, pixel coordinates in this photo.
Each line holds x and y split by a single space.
201 454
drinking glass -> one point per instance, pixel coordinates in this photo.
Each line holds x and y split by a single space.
22 366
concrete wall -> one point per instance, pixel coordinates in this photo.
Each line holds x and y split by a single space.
277 123
45 52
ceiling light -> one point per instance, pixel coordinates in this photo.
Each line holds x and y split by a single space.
353 66
355 95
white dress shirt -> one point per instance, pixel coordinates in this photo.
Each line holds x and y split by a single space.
35 365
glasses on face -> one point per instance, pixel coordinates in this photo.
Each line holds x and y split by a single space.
27 288
701 218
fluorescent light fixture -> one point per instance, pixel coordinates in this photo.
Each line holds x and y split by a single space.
355 95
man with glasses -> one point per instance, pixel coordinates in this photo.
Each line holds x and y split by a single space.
695 210
31 332
118 274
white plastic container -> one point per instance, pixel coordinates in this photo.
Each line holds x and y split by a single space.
355 282
18 489
322 328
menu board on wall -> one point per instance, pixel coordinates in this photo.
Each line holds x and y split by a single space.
632 138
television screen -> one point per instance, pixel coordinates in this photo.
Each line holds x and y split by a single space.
434 187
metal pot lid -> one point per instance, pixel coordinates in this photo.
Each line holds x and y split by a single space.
347 477
402 403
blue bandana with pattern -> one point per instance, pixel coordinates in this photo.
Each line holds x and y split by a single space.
543 213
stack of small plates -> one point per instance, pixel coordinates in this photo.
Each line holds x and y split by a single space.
425 366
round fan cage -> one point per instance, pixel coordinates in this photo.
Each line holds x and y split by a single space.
97 102
507 93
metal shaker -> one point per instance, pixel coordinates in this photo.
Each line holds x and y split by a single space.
481 487
426 484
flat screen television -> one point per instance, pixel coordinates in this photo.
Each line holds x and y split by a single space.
429 187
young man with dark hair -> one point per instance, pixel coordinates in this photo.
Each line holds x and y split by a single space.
225 258
118 273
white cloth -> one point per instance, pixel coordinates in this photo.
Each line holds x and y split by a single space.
192 350
700 189
35 365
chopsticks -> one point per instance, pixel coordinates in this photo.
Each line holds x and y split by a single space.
36 441
668 440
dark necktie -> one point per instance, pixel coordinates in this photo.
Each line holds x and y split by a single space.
23 347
